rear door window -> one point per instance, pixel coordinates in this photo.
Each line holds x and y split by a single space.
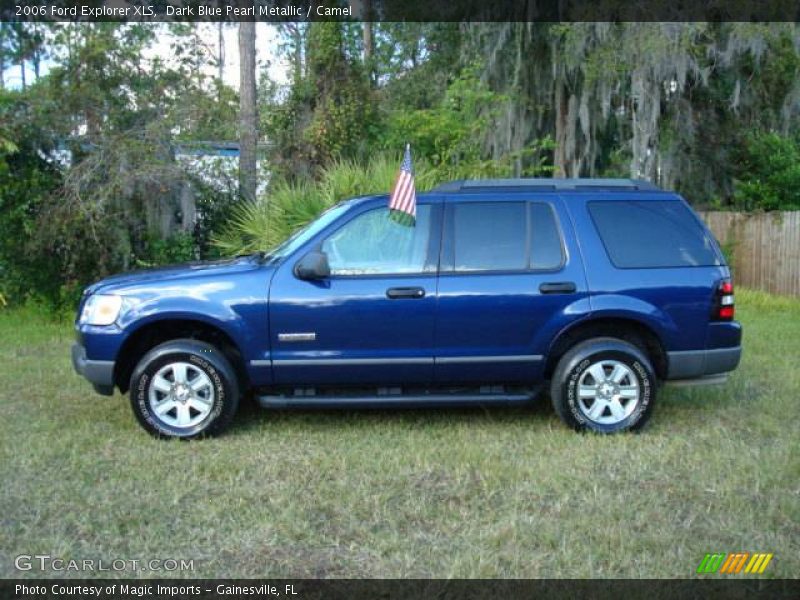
490 236
652 234
501 236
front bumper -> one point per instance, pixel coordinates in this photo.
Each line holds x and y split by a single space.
696 364
99 372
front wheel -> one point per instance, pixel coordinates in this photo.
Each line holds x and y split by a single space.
184 389
605 385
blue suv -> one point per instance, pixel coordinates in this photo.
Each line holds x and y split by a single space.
593 290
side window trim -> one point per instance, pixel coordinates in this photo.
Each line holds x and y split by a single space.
432 257
528 235
446 254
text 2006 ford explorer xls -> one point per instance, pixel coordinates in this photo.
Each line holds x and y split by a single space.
602 288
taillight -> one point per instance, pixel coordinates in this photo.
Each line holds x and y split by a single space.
723 306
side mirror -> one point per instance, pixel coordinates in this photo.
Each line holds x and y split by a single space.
313 266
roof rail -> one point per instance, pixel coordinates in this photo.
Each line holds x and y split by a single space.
545 185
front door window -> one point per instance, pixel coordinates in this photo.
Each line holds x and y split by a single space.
375 244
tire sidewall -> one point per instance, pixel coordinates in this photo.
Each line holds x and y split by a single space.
205 358
642 371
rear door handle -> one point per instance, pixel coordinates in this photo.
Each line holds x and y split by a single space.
560 287
405 292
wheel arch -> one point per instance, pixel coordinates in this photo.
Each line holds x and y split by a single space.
631 330
159 331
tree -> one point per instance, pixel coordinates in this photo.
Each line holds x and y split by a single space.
220 49
27 179
91 184
293 47
3 53
248 116
666 102
367 39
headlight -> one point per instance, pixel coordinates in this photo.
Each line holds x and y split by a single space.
101 309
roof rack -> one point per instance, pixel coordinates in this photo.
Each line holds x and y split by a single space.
545 185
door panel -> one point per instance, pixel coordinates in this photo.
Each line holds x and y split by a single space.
361 325
498 310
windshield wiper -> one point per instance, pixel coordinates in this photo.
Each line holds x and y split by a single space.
259 255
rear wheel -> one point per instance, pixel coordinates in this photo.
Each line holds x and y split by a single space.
605 385
184 389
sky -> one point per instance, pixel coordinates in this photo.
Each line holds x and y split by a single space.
266 50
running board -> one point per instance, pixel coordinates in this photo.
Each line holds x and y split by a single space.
392 401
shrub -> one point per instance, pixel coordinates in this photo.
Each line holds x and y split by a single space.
27 179
262 224
768 173
177 248
287 206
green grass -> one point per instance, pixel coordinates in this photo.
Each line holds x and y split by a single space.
435 493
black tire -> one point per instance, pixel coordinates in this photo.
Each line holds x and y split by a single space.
218 395
606 356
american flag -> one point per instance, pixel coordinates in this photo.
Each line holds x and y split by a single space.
403 199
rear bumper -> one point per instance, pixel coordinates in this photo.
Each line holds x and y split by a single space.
100 373
695 364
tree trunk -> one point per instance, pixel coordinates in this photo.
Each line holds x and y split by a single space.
297 34
368 42
562 107
248 120
220 51
2 56
36 51
368 46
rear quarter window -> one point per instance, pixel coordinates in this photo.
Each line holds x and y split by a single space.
652 234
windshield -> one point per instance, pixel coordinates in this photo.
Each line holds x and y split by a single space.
302 235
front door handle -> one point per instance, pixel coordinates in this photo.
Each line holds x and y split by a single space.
560 287
405 292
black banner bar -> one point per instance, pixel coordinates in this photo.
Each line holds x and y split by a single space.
152 11
708 587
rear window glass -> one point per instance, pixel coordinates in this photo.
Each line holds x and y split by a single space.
652 234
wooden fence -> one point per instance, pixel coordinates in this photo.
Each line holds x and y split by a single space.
765 248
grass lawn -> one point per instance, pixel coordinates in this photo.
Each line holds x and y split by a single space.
434 493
